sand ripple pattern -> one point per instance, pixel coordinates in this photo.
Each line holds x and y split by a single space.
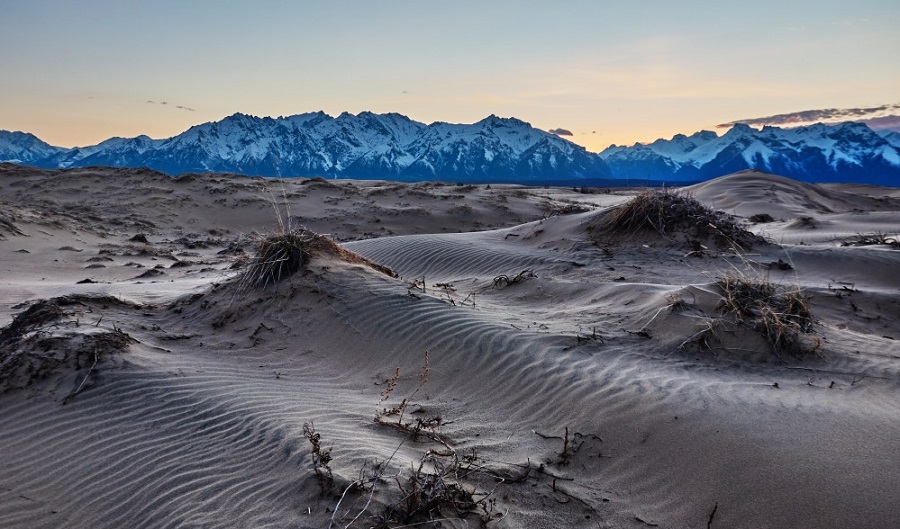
217 448
451 255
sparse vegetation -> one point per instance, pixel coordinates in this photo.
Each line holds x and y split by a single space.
414 427
504 280
672 214
437 488
35 344
284 254
277 257
781 314
321 457
870 239
432 492
7 224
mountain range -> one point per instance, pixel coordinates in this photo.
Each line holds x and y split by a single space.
394 147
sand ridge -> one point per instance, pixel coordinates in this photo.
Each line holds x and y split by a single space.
576 387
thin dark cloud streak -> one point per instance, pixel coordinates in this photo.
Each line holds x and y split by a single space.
561 132
813 116
166 103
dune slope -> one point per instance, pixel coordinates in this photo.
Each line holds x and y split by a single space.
547 372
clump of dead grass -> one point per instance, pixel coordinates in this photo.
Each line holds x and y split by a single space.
779 313
40 313
673 214
278 256
45 311
39 342
283 254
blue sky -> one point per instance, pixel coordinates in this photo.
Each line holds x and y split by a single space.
75 73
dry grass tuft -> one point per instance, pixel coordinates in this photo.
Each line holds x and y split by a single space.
781 314
283 254
669 214
277 257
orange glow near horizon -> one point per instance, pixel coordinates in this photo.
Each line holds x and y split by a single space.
82 72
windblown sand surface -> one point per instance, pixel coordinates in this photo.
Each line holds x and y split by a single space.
576 375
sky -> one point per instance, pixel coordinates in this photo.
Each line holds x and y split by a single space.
77 72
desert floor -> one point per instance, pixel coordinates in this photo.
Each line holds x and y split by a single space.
526 364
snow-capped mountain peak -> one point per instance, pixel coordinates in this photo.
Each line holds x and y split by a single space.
364 145
820 153
393 146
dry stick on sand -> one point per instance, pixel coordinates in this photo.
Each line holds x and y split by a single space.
504 280
72 395
359 483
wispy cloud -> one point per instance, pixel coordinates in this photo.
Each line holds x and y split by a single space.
561 132
822 115
884 123
166 103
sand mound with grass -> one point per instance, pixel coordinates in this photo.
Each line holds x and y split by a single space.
513 373
281 255
48 340
674 216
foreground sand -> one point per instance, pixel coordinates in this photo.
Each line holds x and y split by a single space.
573 398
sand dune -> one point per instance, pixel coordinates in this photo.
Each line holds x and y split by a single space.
575 375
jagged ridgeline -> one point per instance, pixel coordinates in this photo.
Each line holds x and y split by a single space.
367 145
495 149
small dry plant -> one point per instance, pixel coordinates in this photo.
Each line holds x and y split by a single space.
432 492
321 457
280 254
418 425
436 489
780 313
504 280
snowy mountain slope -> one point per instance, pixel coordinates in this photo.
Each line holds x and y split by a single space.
890 136
22 147
392 146
367 145
816 153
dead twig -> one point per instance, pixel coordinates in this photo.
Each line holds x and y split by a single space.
72 395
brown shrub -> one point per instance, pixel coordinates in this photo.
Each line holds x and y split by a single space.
670 214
